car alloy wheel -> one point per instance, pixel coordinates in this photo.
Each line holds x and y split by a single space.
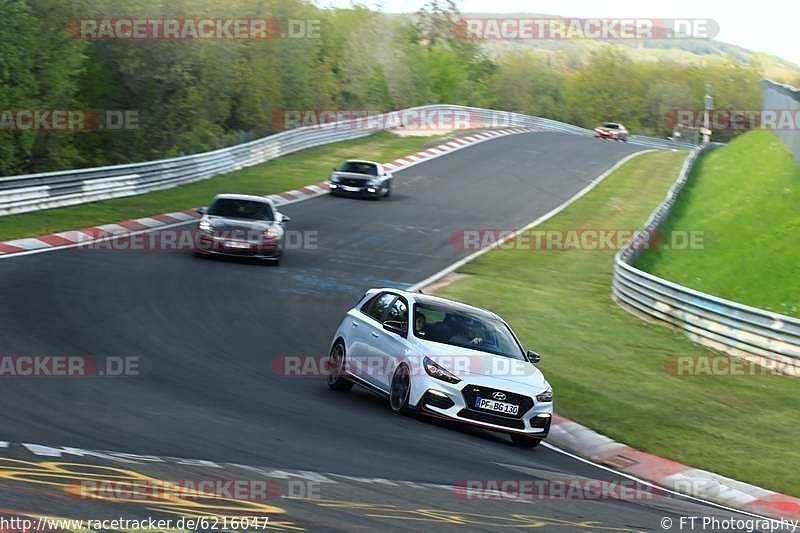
400 389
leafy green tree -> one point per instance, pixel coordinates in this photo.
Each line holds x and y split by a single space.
524 83
17 81
607 88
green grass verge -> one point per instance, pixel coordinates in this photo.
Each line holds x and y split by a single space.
607 367
281 174
746 196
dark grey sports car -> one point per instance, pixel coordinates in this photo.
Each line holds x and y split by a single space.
361 178
241 225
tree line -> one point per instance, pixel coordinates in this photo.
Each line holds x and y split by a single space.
197 95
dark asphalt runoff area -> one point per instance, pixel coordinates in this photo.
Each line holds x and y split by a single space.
210 330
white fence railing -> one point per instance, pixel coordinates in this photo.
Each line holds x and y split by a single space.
715 322
32 192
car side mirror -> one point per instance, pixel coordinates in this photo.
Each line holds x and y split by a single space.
534 357
395 326
201 210
281 218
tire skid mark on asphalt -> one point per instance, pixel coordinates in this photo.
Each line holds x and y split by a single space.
314 281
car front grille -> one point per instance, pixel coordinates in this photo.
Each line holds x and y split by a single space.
471 392
351 182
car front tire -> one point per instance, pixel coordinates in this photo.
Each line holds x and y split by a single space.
336 366
400 390
524 441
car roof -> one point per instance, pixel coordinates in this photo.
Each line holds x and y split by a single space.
418 297
362 161
251 197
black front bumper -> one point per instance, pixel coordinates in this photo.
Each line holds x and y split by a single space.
338 190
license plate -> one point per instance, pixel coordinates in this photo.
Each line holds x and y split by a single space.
235 244
494 405
350 189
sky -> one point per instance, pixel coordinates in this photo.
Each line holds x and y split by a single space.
766 25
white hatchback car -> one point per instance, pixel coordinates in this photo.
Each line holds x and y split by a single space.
442 358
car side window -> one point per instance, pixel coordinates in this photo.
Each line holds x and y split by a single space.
378 306
399 312
366 306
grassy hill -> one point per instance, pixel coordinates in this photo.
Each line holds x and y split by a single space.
746 197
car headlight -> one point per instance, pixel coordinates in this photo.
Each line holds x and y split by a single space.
270 233
546 396
205 225
436 371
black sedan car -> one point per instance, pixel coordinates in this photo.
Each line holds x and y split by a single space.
361 178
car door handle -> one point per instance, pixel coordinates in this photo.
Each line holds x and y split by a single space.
355 324
374 335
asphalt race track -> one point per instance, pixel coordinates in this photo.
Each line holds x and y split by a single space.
209 329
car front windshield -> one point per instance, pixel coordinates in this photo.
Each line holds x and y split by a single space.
236 208
459 327
357 167
611 125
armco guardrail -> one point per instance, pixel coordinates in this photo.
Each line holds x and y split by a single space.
715 322
785 98
32 192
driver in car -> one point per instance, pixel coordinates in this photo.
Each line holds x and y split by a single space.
420 325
